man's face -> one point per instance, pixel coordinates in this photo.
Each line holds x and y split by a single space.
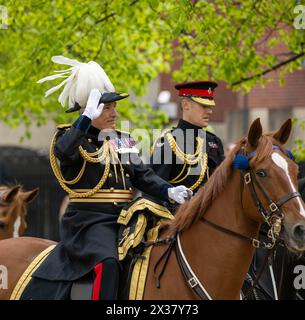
196 113
108 117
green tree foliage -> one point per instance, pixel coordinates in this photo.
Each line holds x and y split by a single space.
135 40
299 144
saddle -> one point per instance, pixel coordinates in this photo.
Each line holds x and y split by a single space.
140 222
82 288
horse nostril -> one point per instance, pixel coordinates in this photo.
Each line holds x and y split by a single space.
299 232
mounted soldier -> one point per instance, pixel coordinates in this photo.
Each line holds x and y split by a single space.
99 168
188 153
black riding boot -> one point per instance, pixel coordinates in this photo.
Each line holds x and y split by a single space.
106 281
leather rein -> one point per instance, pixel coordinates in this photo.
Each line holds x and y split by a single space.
271 215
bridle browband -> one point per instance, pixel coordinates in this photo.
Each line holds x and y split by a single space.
272 216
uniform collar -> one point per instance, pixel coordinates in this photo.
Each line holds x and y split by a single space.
182 124
93 131
98 135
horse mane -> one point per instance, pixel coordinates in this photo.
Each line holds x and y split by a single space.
191 211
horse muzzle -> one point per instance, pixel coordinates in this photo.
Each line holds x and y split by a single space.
295 237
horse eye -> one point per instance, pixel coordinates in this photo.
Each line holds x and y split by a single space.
261 173
2 225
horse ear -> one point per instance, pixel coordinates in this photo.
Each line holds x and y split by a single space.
29 195
283 134
10 195
255 132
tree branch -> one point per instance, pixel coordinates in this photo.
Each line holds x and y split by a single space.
275 67
114 13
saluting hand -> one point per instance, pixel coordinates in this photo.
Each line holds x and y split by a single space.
93 109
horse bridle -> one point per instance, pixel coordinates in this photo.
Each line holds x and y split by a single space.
272 216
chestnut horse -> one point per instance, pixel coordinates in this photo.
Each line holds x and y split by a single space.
13 209
213 233
219 258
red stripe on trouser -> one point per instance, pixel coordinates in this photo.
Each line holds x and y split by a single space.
98 270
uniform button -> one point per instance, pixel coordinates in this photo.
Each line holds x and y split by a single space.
96 149
115 203
110 175
127 175
111 189
89 140
127 162
130 188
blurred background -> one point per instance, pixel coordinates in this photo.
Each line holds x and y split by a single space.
255 50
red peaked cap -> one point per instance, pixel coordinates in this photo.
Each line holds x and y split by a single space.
200 91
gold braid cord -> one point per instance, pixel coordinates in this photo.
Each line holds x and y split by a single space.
88 157
204 168
189 159
175 180
91 157
156 140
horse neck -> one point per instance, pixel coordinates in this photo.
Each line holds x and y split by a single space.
222 260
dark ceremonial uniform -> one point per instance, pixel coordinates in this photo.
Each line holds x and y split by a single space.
187 154
206 152
89 228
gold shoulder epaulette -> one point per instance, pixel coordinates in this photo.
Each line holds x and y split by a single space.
64 126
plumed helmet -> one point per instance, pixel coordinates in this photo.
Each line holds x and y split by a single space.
79 80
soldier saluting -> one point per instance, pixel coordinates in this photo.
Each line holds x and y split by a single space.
99 166
187 154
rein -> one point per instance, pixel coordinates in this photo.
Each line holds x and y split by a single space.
272 216
174 242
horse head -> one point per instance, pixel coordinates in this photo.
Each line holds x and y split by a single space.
255 184
13 209
272 182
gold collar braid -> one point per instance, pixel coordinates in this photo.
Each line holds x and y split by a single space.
190 159
88 157
187 158
204 170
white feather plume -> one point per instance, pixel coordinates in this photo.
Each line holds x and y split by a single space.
52 77
62 99
65 60
80 79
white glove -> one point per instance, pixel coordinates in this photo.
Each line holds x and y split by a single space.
93 110
179 193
